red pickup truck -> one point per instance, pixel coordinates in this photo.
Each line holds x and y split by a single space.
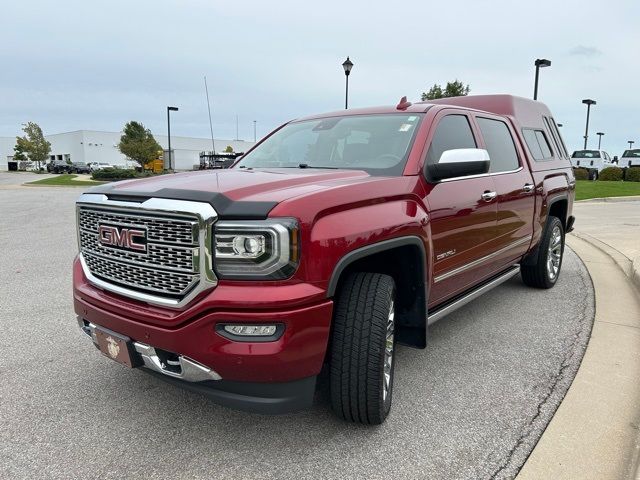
334 239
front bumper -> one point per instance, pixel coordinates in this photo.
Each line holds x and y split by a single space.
268 398
273 376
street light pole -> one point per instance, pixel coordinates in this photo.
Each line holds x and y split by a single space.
630 142
169 110
254 131
347 65
539 63
600 134
588 102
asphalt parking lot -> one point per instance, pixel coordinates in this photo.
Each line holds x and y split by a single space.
470 406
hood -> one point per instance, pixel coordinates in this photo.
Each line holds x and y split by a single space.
236 193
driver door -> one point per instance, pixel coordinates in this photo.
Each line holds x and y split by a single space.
463 213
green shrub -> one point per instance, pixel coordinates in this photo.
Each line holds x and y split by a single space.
632 175
581 173
611 174
113 174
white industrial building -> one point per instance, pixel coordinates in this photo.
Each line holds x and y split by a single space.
102 147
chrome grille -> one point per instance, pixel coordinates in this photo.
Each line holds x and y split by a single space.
145 278
178 231
169 267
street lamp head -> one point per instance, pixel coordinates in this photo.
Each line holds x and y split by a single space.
600 133
347 65
542 62
559 124
172 109
588 101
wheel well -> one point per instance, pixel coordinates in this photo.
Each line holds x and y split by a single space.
406 265
559 209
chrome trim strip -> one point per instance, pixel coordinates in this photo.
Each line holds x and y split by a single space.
438 314
477 262
203 213
480 175
190 370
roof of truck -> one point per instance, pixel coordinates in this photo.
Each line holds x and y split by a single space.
527 112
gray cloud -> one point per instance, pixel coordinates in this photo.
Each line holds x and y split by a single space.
581 50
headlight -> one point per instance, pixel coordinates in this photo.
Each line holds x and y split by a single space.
264 249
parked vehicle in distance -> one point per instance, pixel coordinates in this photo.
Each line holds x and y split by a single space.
58 166
594 161
630 158
80 167
334 239
93 166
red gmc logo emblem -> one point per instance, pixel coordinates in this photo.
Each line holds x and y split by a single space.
123 237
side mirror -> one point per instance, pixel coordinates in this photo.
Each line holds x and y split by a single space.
615 159
459 162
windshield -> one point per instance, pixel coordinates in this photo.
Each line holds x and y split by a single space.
378 144
586 154
631 153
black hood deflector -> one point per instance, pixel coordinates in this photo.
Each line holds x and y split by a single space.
226 208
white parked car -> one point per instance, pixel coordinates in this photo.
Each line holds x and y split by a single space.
99 166
630 158
594 161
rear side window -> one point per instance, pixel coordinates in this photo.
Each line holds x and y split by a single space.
500 146
453 131
538 144
561 141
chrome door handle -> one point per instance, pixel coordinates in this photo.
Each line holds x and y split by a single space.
488 196
528 187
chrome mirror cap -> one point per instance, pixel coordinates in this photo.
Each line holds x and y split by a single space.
463 155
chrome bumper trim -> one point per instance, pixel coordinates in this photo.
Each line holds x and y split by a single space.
190 370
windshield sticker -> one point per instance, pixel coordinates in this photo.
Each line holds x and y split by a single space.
405 127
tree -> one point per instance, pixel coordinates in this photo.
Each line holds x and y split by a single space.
33 144
452 89
229 149
19 150
138 144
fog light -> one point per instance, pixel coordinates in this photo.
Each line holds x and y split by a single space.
251 330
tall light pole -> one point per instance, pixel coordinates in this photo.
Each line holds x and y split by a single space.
630 142
539 63
588 102
169 110
600 134
254 131
347 65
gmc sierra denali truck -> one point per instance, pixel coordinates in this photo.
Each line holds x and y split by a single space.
334 239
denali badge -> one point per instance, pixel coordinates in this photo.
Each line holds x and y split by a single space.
123 237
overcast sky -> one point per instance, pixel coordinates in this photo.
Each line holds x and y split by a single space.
72 64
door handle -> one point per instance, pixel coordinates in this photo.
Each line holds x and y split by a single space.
488 196
528 187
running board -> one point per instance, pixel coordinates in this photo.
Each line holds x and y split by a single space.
472 295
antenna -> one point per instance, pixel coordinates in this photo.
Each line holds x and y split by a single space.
213 143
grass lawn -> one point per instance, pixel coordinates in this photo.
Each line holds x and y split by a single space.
66 180
586 189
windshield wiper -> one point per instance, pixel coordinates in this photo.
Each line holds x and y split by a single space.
306 165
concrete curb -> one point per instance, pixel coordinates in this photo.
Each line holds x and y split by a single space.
630 198
630 267
594 432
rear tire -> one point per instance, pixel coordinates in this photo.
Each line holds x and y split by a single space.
363 349
545 272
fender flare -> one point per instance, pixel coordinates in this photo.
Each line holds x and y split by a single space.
532 257
372 249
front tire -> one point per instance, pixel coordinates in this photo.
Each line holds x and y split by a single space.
545 272
363 348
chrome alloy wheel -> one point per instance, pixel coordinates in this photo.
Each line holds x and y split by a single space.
554 255
388 353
